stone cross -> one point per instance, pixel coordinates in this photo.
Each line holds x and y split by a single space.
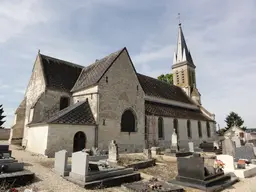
113 155
60 162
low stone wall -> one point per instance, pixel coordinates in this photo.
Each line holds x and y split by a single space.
4 134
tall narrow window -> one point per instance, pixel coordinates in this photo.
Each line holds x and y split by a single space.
146 128
189 128
64 102
199 129
208 129
160 128
194 77
176 126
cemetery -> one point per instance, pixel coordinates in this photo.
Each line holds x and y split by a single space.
195 169
12 172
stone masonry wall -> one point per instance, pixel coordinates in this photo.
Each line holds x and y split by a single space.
49 103
62 137
35 88
121 92
182 132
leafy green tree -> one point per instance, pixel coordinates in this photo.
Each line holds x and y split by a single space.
1 116
233 119
166 78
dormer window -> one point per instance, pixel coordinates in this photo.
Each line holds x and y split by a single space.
64 102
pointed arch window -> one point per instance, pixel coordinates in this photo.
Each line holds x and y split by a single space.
199 129
160 128
128 121
189 129
208 129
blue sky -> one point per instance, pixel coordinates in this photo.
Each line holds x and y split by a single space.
220 35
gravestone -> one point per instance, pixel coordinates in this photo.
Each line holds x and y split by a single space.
60 162
80 165
193 172
155 150
174 147
191 146
228 147
147 153
113 155
237 142
245 152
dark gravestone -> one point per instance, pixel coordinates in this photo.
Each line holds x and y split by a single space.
93 167
207 147
193 172
244 152
183 154
4 148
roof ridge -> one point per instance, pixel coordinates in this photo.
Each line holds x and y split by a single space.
64 61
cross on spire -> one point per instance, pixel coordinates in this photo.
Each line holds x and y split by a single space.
179 19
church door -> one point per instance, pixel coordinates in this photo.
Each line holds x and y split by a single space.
79 141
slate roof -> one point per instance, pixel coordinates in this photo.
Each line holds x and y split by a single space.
160 89
158 109
59 74
92 74
79 113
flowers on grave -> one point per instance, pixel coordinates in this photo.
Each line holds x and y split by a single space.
241 164
219 165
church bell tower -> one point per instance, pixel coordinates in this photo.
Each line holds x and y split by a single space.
183 69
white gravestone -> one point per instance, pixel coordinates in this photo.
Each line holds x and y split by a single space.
174 147
60 162
191 146
228 160
80 165
113 155
228 147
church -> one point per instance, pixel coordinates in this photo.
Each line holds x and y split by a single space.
72 107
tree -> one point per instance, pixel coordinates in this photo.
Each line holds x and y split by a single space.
233 119
166 78
1 116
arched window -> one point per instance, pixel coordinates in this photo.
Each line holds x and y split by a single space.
208 129
199 129
160 128
64 102
128 122
189 128
176 126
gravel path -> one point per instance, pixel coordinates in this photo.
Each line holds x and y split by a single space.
48 181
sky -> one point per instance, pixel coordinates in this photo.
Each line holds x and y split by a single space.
220 35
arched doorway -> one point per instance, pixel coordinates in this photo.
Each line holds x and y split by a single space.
79 141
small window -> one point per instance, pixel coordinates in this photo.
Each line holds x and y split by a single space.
183 76
104 122
107 79
241 134
64 102
160 128
189 128
199 129
208 129
177 74
137 87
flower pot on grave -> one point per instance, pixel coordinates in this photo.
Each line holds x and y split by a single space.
241 164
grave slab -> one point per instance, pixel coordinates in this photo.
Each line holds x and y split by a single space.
146 186
16 179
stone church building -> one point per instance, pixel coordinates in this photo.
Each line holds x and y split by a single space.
69 106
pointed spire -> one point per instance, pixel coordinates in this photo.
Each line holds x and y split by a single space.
182 52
